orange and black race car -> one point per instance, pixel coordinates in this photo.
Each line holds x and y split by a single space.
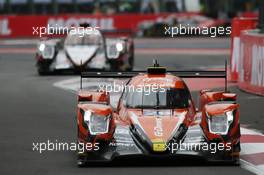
160 121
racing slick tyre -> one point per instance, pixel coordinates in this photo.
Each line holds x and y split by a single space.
236 148
43 70
131 63
81 162
81 157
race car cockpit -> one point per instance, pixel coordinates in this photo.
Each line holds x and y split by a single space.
163 98
93 39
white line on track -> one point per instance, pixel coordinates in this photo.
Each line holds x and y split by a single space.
252 148
250 167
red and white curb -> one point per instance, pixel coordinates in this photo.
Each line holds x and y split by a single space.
252 150
252 141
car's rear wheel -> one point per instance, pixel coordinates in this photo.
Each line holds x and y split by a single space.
131 59
81 162
236 149
81 157
131 63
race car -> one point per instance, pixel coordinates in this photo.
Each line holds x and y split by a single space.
78 52
159 123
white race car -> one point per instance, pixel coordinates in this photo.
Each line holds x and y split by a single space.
78 52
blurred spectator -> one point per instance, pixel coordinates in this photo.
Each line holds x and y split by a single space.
149 6
213 8
2 6
175 5
65 6
97 10
108 6
43 6
129 6
85 6
18 6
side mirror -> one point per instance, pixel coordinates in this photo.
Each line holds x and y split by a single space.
94 96
115 115
230 96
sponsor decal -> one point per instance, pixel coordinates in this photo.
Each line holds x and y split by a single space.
104 23
4 27
240 64
235 54
257 75
158 131
158 145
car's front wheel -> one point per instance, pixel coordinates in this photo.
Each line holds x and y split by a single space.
43 69
131 63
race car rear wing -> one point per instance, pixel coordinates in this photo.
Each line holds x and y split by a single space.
158 69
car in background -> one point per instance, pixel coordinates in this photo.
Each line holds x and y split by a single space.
77 52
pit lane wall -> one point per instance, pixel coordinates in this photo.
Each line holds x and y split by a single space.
14 26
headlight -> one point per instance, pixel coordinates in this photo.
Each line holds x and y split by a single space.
46 51
97 124
119 47
41 47
112 52
230 116
219 124
114 48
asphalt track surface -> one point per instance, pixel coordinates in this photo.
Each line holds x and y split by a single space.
33 110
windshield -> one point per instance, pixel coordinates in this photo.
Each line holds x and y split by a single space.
78 39
169 98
